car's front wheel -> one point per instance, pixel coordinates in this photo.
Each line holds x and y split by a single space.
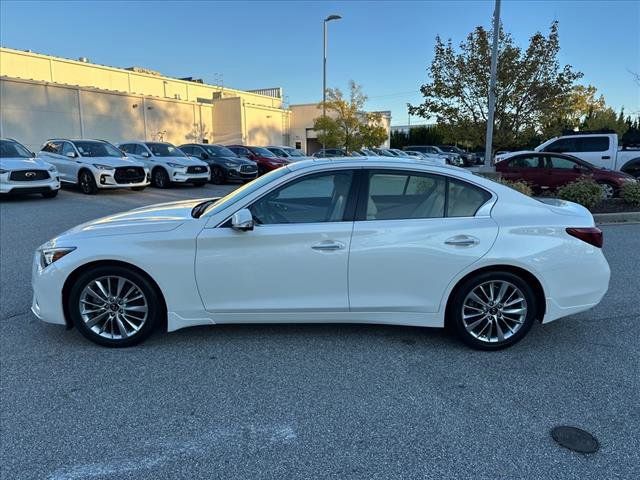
217 176
160 178
87 182
114 306
493 310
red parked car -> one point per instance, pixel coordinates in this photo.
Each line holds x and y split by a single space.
549 171
265 159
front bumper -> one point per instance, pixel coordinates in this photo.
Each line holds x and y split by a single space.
47 286
182 177
105 179
36 186
236 174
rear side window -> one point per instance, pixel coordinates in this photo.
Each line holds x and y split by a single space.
464 199
592 144
395 195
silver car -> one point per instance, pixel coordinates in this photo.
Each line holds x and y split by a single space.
21 172
167 163
94 165
290 153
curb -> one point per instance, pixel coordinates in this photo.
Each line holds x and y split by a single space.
622 217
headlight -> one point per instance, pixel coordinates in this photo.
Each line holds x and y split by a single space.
50 255
230 164
175 165
53 169
99 166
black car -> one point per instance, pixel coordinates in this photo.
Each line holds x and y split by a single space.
224 164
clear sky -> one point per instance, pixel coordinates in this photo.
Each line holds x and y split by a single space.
385 46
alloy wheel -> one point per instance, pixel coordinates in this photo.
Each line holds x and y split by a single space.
159 178
113 307
494 311
85 183
607 190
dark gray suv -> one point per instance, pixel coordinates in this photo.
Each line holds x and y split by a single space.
223 163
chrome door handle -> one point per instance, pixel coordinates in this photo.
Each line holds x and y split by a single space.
462 241
328 245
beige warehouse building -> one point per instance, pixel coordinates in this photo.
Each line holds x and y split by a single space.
44 97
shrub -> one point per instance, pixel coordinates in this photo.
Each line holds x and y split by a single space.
584 191
630 193
520 186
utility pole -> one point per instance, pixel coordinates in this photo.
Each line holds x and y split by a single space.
488 149
324 65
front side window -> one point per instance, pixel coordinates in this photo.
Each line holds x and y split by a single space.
560 163
9 149
97 149
527 161
561 145
393 196
163 150
312 199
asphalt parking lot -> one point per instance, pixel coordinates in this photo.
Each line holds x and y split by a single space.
308 401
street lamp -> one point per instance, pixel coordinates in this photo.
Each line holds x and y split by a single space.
324 64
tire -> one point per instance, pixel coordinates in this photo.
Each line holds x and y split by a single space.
199 184
217 176
137 324
138 189
479 328
608 190
51 194
87 182
160 178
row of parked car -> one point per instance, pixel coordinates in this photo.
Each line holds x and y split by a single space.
97 164
443 154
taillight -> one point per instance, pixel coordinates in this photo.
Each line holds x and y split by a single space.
591 235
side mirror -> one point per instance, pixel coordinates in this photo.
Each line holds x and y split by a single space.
146 154
204 156
242 220
71 154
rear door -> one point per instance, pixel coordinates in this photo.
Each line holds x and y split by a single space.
413 233
562 170
524 167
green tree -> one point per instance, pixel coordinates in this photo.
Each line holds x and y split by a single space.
346 125
531 86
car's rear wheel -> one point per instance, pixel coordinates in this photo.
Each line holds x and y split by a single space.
217 176
493 310
160 178
87 182
114 306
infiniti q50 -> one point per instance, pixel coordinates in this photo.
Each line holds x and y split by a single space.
367 240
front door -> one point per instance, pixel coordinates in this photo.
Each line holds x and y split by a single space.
413 233
295 259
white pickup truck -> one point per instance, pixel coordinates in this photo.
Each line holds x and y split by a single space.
599 149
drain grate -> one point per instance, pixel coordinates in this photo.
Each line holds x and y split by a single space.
575 439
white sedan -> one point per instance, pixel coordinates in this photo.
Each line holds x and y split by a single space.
374 240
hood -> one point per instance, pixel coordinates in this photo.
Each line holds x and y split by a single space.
161 217
24 164
188 161
113 161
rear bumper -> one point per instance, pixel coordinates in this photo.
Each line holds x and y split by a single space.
585 287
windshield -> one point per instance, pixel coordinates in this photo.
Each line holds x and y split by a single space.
9 149
219 151
444 148
293 152
245 190
263 152
164 150
97 149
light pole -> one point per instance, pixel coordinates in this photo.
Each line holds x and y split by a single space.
488 144
324 65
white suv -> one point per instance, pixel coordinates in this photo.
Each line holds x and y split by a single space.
94 164
167 163
21 172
